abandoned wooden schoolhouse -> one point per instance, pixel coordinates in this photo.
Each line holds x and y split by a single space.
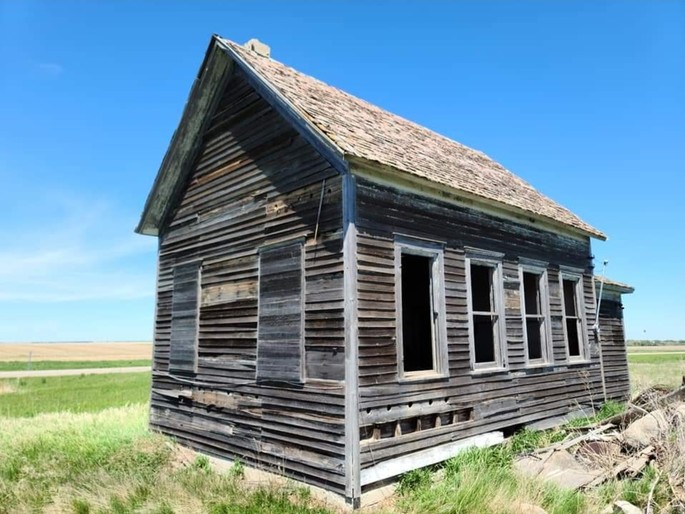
344 295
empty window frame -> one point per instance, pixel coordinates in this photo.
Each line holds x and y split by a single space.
280 333
486 318
420 304
184 318
573 315
535 313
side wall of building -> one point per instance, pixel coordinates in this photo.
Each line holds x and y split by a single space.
256 184
614 354
398 417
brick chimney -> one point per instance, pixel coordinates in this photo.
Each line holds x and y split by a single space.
256 46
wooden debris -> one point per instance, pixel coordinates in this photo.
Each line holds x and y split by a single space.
565 445
630 467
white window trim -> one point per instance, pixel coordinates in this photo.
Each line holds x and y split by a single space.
440 356
546 347
492 260
577 277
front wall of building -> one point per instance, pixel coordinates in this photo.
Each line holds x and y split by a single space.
399 415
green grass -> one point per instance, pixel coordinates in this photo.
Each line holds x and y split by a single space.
482 480
26 397
647 370
107 462
645 358
47 365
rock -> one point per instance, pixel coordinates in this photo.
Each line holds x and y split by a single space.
624 507
527 508
679 409
559 467
642 432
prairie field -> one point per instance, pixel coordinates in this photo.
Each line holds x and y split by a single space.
80 444
652 368
666 348
96 351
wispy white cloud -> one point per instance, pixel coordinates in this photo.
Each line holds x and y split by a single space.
78 250
51 69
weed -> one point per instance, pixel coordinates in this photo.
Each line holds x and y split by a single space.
202 463
413 481
81 506
237 470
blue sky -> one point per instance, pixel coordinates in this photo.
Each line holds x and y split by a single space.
585 100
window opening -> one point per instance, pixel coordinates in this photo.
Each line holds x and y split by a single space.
534 314
484 313
418 313
572 318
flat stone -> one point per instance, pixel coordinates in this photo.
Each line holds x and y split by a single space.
624 507
528 508
679 409
644 431
560 467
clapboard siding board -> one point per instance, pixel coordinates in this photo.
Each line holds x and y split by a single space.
498 399
256 183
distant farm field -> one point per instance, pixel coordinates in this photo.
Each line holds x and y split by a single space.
667 348
75 351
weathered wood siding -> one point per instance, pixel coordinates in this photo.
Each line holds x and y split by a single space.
256 182
398 417
614 352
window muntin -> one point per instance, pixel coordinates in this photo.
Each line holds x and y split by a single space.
486 318
535 312
572 294
420 304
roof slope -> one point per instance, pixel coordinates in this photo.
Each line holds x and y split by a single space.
362 130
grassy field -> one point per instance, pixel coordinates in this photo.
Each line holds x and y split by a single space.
80 444
107 462
650 369
48 365
25 397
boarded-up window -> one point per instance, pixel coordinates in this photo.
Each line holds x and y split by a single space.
281 330
184 318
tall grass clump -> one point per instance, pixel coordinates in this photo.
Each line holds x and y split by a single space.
483 481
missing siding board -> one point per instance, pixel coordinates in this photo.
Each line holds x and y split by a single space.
405 426
184 318
280 331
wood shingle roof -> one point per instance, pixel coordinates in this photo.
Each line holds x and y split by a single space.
364 131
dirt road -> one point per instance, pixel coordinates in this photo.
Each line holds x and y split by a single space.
64 372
